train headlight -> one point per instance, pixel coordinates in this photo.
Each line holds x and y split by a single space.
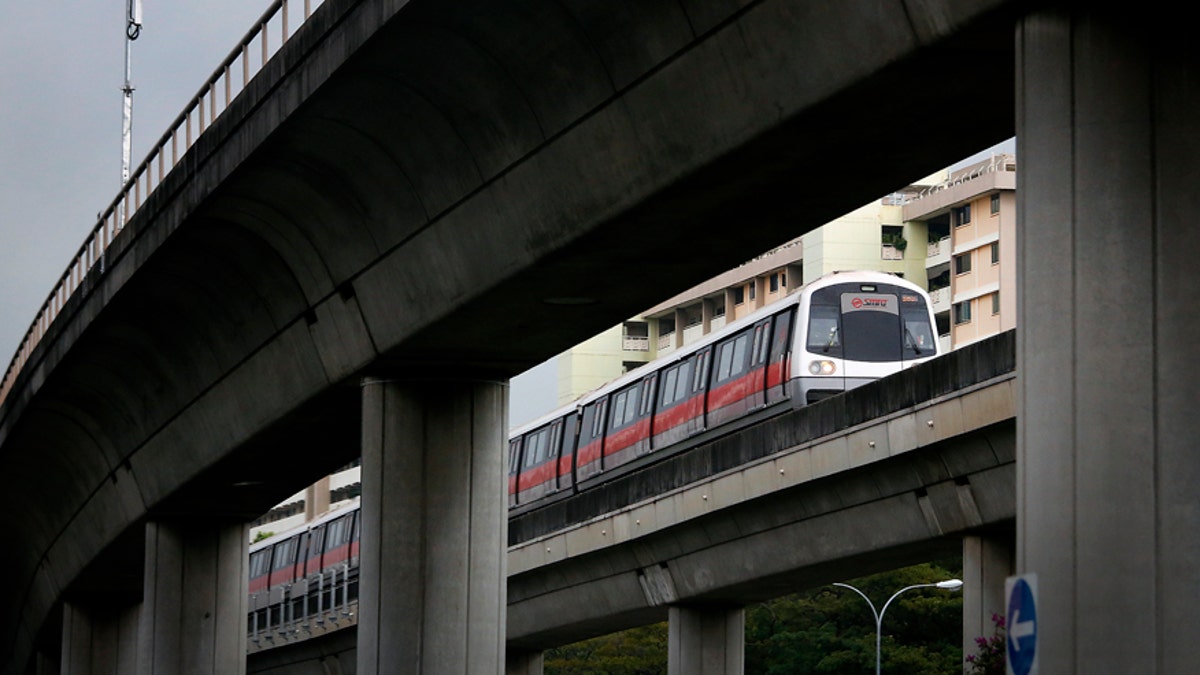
822 368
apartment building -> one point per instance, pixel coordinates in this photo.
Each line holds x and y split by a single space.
874 237
971 262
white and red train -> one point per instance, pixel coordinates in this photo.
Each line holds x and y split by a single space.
836 333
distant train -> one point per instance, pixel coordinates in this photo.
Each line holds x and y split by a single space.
836 333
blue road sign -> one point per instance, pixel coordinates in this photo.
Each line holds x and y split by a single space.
1021 624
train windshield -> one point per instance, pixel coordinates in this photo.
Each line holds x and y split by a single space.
884 323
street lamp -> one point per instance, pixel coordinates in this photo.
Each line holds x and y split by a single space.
949 585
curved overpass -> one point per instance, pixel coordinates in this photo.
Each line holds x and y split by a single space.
451 188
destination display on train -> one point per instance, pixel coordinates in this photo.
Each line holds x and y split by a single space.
873 302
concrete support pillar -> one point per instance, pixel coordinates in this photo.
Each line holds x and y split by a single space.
1108 134
434 528
524 663
99 640
316 499
987 562
706 640
680 325
193 615
706 315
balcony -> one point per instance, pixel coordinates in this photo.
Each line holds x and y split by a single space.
635 343
889 252
940 299
938 253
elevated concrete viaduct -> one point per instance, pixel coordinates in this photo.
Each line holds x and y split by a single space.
916 467
421 191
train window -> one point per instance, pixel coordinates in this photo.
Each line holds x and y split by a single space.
823 333
514 456
535 448
530 451
618 411
285 554
783 326
647 395
701 373
318 539
918 335
556 435
685 373
731 357
758 353
668 389
596 410
631 404
338 534
259 562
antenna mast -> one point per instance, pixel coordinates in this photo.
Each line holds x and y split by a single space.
133 28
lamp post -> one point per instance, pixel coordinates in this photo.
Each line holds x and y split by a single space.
949 585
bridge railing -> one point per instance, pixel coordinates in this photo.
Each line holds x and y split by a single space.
273 28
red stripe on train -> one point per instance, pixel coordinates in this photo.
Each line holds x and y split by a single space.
627 437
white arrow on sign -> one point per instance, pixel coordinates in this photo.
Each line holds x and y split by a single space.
1020 629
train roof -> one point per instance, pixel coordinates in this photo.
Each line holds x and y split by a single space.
332 514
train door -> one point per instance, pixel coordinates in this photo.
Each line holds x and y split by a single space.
356 537
260 570
731 386
283 561
337 541
539 466
316 547
591 439
628 434
779 358
300 585
679 412
514 470
568 437
756 376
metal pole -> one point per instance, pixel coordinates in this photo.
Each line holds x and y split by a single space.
950 585
133 28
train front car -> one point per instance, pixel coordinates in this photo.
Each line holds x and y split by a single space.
857 327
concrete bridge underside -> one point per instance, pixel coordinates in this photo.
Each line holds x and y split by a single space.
437 187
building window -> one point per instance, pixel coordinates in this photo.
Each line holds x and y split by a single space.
962 215
962 263
995 203
996 302
995 252
962 312
774 283
739 295
752 286
783 279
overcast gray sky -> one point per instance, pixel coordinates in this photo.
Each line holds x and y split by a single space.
61 73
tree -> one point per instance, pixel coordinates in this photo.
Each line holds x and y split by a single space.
825 630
